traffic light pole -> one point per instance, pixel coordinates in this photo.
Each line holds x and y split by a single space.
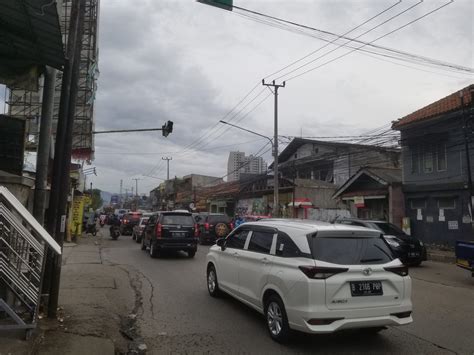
276 200
128 130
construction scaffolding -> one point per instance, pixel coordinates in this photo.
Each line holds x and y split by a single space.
26 104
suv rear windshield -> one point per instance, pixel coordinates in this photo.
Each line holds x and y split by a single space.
351 250
218 219
182 219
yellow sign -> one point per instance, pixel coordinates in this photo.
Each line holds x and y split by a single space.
75 224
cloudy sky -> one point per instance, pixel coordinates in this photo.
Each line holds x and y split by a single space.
191 63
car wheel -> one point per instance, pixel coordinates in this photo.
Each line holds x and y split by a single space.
191 253
277 321
143 244
154 252
212 284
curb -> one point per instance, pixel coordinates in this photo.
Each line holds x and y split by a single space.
443 258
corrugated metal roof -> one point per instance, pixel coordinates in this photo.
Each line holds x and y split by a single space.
30 34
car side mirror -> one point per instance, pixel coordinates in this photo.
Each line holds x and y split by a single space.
221 243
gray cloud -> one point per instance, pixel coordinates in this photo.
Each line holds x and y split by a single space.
191 63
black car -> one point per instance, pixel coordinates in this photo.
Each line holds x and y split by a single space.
129 220
170 231
408 249
213 226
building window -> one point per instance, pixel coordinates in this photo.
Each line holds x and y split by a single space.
441 157
415 159
447 203
417 203
428 159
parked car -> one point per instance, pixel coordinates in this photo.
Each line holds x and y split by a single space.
410 250
213 226
171 231
312 277
139 229
465 255
129 220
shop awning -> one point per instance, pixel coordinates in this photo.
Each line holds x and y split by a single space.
301 203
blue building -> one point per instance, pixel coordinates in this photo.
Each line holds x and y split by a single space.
437 148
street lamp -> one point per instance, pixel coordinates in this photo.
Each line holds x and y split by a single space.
275 169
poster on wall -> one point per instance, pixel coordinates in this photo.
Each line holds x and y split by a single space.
453 225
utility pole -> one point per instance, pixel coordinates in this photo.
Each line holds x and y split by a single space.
136 185
167 166
44 147
62 160
121 197
276 202
466 146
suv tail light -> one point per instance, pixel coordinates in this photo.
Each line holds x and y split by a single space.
158 230
321 273
196 230
206 226
231 225
399 270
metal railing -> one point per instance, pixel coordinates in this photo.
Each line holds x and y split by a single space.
23 246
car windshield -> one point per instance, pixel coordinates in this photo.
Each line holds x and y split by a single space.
350 251
218 219
388 228
144 220
181 219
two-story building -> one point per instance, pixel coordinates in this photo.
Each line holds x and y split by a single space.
437 148
332 161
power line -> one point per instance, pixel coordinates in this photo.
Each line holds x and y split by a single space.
374 40
399 55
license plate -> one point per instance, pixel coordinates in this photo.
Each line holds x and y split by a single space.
179 234
413 255
366 288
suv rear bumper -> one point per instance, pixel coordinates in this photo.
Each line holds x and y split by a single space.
351 318
170 244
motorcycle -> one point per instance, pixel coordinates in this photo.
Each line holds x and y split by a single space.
91 228
114 232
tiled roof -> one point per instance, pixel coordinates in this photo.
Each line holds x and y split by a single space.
448 104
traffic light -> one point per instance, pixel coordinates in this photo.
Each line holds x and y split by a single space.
223 4
167 128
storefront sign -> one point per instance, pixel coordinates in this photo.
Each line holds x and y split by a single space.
359 201
75 224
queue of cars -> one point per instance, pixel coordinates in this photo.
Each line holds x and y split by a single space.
302 275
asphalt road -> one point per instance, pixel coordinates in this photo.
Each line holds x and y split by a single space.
178 315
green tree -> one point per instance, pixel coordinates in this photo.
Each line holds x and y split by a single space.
97 201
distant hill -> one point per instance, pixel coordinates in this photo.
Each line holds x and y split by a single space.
105 195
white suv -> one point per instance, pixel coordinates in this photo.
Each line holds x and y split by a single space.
312 277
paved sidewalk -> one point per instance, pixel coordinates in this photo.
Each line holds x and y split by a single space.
96 301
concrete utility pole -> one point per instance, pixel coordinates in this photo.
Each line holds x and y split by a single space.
276 202
136 186
44 147
62 159
167 166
